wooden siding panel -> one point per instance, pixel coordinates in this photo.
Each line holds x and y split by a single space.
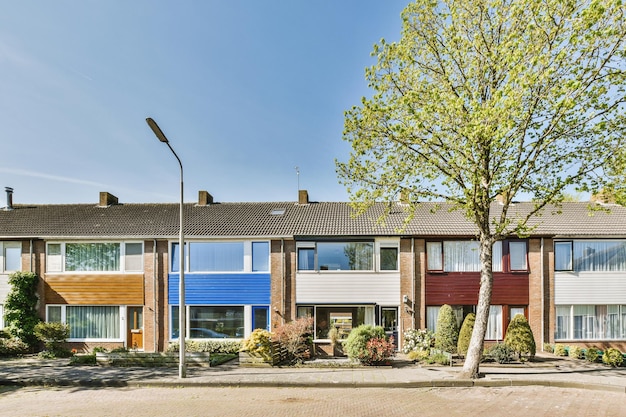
589 288
348 288
222 289
462 289
94 289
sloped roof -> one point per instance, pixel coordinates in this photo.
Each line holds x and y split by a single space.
314 219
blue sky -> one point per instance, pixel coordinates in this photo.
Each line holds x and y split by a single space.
245 90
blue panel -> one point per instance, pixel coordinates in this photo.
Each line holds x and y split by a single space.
220 289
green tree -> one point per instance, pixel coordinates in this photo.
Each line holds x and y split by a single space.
447 330
21 306
487 98
519 337
465 334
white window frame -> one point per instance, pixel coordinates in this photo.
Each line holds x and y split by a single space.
247 256
376 262
122 324
61 257
4 245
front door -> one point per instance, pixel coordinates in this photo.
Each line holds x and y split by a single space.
389 321
134 337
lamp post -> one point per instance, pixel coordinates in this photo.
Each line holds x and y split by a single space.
182 369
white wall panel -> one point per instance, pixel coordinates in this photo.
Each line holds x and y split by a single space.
589 288
328 287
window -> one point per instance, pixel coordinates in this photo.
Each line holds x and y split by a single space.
260 256
591 322
341 256
494 323
223 257
464 256
388 258
88 322
210 322
10 256
94 257
590 255
343 318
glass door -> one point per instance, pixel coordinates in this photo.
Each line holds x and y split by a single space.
260 318
134 320
389 321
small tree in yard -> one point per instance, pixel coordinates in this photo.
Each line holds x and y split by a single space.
21 307
53 336
368 344
447 331
488 99
465 334
519 337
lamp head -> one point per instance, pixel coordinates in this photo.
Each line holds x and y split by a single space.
157 130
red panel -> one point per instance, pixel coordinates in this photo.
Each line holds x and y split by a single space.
461 288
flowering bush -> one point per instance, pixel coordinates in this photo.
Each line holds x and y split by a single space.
259 342
378 350
296 337
612 357
418 340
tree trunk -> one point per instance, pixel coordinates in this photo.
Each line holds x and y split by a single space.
476 346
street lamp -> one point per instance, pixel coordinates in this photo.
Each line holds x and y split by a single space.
182 369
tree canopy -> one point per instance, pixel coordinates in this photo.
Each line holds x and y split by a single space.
487 98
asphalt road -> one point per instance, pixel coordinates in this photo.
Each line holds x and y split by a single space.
316 402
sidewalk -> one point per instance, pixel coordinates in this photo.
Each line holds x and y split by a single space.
547 371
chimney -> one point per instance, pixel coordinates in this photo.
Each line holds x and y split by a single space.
9 191
107 199
303 197
204 198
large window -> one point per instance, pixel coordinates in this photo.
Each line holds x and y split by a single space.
10 256
345 256
591 322
94 257
223 257
494 323
210 322
590 255
343 318
464 256
88 322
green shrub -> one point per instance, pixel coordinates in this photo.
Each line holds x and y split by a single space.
418 355
88 359
501 353
465 334
355 345
439 358
21 306
418 341
613 357
519 337
53 336
560 350
13 347
592 354
212 346
576 352
547 347
447 331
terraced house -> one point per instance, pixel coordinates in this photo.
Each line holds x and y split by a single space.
110 270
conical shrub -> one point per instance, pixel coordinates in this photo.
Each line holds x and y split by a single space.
520 337
447 332
465 335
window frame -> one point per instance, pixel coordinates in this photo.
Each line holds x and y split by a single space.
121 321
8 244
503 265
309 250
62 257
249 257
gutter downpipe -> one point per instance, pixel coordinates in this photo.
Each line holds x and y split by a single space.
413 282
154 296
543 330
30 255
282 278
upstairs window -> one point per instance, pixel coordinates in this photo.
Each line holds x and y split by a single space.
94 257
241 256
339 256
464 256
10 256
590 255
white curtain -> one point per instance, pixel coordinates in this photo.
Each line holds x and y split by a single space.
92 257
94 322
461 256
494 324
600 255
